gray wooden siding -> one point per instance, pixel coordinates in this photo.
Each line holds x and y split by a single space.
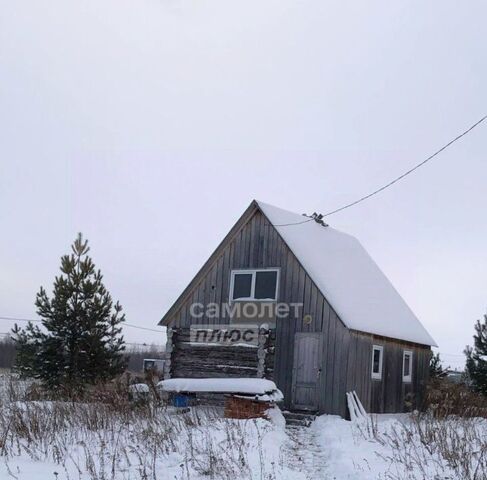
254 243
390 394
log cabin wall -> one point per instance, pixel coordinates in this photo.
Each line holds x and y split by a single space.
187 359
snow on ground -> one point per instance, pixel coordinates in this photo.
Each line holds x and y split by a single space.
69 441
349 454
261 447
403 447
198 449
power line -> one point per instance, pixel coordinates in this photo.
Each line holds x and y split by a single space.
141 328
411 170
397 179
19 319
15 319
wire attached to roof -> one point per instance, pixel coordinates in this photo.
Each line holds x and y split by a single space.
397 179
317 217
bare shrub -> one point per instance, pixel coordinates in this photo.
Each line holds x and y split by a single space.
444 398
429 447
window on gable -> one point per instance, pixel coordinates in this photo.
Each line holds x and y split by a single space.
266 285
242 285
260 285
377 358
407 366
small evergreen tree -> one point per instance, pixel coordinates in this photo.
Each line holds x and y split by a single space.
81 342
27 347
436 369
477 358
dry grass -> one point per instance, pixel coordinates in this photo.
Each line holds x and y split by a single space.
448 441
432 448
444 398
111 438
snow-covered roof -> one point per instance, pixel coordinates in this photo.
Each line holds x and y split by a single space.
350 280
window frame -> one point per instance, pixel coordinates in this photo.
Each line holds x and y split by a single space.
254 272
377 375
407 378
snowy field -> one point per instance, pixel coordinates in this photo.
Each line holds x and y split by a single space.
59 440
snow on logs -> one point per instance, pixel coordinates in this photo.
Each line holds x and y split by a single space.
244 397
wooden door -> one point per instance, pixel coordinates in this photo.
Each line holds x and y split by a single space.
306 370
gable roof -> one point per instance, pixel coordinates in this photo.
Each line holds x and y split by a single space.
350 280
342 270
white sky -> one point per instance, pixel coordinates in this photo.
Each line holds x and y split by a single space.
150 125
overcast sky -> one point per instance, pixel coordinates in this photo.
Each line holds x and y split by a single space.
150 125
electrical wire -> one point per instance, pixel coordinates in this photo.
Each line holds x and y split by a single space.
15 319
397 179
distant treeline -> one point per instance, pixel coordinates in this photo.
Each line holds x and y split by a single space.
135 355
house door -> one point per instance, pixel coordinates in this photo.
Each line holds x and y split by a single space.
306 370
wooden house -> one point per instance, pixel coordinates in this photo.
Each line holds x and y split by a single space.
329 320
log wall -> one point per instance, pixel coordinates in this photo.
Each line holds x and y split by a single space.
186 359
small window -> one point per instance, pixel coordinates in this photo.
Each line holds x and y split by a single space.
260 285
242 286
265 285
377 354
407 366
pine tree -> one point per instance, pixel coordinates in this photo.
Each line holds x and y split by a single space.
477 358
81 342
436 369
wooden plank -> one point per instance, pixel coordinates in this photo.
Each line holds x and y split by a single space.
342 369
218 285
337 370
280 322
225 287
300 297
391 383
307 309
365 349
328 394
237 252
253 250
247 234
262 242
325 320
353 372
317 308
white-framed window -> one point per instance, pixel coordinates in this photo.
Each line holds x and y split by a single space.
377 358
254 285
407 366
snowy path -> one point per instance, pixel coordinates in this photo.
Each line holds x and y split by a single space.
303 453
